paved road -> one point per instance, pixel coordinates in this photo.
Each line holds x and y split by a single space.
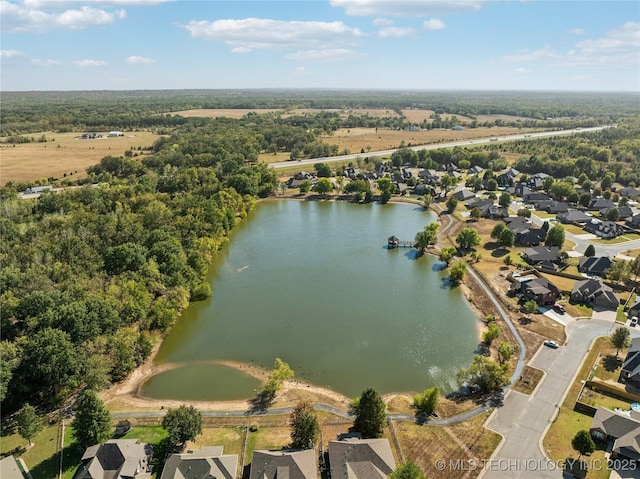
437 146
523 420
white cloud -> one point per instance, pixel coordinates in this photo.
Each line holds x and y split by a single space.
382 22
240 50
618 48
522 70
406 8
329 55
136 60
262 33
576 31
434 24
10 53
90 63
395 32
15 17
45 63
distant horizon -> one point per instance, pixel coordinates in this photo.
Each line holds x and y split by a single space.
320 89
379 45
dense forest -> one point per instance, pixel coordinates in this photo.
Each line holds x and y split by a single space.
29 112
93 275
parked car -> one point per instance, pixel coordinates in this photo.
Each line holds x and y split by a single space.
551 344
558 308
634 321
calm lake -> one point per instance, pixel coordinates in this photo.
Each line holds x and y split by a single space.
314 284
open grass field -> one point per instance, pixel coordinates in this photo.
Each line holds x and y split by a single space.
368 139
66 155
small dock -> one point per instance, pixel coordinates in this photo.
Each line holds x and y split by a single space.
395 242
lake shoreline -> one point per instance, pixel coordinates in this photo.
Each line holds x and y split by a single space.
129 392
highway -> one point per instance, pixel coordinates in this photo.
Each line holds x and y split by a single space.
437 146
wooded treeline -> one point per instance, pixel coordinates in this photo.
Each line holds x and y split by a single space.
30 112
93 275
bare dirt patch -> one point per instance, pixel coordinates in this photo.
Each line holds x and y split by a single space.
66 155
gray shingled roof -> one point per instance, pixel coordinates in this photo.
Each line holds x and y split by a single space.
117 458
207 463
284 465
360 459
614 424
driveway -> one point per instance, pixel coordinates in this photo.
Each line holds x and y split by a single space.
563 319
604 314
523 420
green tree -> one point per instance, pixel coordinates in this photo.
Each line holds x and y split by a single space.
475 214
322 170
619 271
29 423
427 200
384 184
634 267
182 424
555 236
280 373
451 203
505 351
613 214
505 199
92 423
468 238
583 443
304 426
620 339
385 196
426 237
485 374
324 186
508 260
492 332
370 414
457 270
305 187
530 307
498 229
446 183
606 182
507 238
585 200
408 470
427 401
524 212
590 251
447 254
492 185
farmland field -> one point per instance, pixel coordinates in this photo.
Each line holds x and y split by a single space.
368 139
64 153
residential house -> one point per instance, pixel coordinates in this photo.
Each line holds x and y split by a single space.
483 204
574 217
595 293
554 207
600 204
115 133
635 309
520 190
361 459
536 182
541 290
464 195
9 468
429 176
624 212
497 211
508 178
401 188
634 221
538 255
595 266
449 167
620 430
629 192
631 366
475 170
603 229
535 197
116 459
208 462
423 189
284 464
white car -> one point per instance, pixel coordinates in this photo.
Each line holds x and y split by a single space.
634 321
551 344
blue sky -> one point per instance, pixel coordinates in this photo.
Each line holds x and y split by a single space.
363 44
